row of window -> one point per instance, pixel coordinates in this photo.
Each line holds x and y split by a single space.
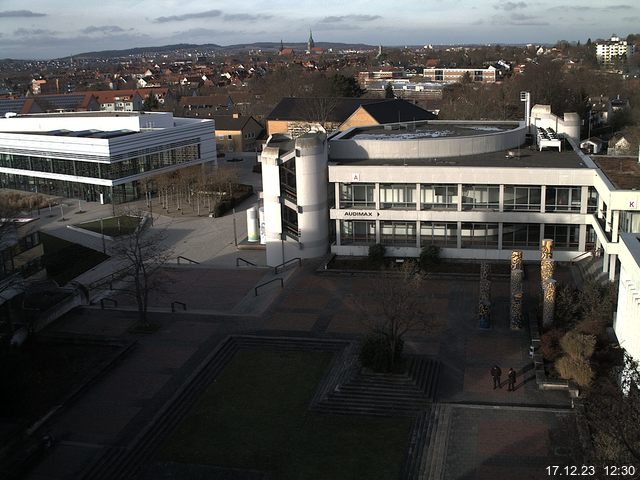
474 197
472 235
108 171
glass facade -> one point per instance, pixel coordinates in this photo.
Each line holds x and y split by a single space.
357 195
439 233
480 197
398 233
398 195
565 237
562 199
521 235
439 197
357 232
479 235
522 198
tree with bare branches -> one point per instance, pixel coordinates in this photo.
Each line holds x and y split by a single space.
143 253
393 307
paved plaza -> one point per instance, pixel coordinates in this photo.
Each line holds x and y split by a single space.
490 434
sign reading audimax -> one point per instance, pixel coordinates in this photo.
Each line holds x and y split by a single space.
361 213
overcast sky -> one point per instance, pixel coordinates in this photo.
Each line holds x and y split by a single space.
57 28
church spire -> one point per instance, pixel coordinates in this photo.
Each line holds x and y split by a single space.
310 43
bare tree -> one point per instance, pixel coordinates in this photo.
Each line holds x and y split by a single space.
394 307
143 254
612 410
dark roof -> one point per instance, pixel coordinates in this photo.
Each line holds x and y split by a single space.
397 111
228 122
337 109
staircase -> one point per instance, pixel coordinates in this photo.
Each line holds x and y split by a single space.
589 269
368 393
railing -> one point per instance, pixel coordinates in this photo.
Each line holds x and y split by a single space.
182 304
187 259
581 256
247 262
255 290
284 264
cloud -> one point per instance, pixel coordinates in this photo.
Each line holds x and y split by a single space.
31 32
103 29
350 18
518 19
20 14
618 7
508 6
188 16
245 17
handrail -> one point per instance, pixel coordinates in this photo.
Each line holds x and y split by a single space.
102 300
239 259
583 254
255 290
182 304
284 264
187 259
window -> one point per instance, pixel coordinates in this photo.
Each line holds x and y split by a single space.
398 196
357 195
480 197
290 222
479 235
521 235
288 179
592 200
357 232
562 199
522 198
398 233
437 233
439 197
565 237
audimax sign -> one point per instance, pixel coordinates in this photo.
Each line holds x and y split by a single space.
360 213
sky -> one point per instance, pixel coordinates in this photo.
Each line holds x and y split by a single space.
44 29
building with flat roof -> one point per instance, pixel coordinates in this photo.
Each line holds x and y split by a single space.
476 189
99 156
614 50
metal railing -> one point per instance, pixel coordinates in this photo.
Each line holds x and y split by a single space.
283 265
187 259
182 304
247 262
588 253
255 290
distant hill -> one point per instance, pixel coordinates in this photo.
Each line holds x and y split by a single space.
212 46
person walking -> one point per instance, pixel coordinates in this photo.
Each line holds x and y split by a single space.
511 376
496 373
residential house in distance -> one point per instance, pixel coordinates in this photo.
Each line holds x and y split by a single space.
236 133
73 102
619 145
592 145
205 106
119 100
296 116
614 50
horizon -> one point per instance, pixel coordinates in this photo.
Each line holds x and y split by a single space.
63 29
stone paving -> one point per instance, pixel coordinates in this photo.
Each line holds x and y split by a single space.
493 434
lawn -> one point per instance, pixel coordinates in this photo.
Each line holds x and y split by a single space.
64 260
255 416
113 226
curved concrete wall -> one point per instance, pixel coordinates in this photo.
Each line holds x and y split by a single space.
311 184
428 147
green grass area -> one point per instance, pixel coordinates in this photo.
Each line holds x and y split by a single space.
255 416
113 226
64 260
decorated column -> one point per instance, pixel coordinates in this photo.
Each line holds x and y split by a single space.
549 303
515 317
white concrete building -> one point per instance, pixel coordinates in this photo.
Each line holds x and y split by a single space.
99 156
627 322
614 49
475 189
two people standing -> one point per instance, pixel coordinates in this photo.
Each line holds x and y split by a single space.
496 373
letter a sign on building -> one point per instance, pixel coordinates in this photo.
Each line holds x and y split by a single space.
355 177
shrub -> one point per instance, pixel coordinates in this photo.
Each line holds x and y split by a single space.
577 369
578 345
376 254
375 352
550 344
429 256
567 309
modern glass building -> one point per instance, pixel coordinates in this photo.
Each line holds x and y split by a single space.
99 156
